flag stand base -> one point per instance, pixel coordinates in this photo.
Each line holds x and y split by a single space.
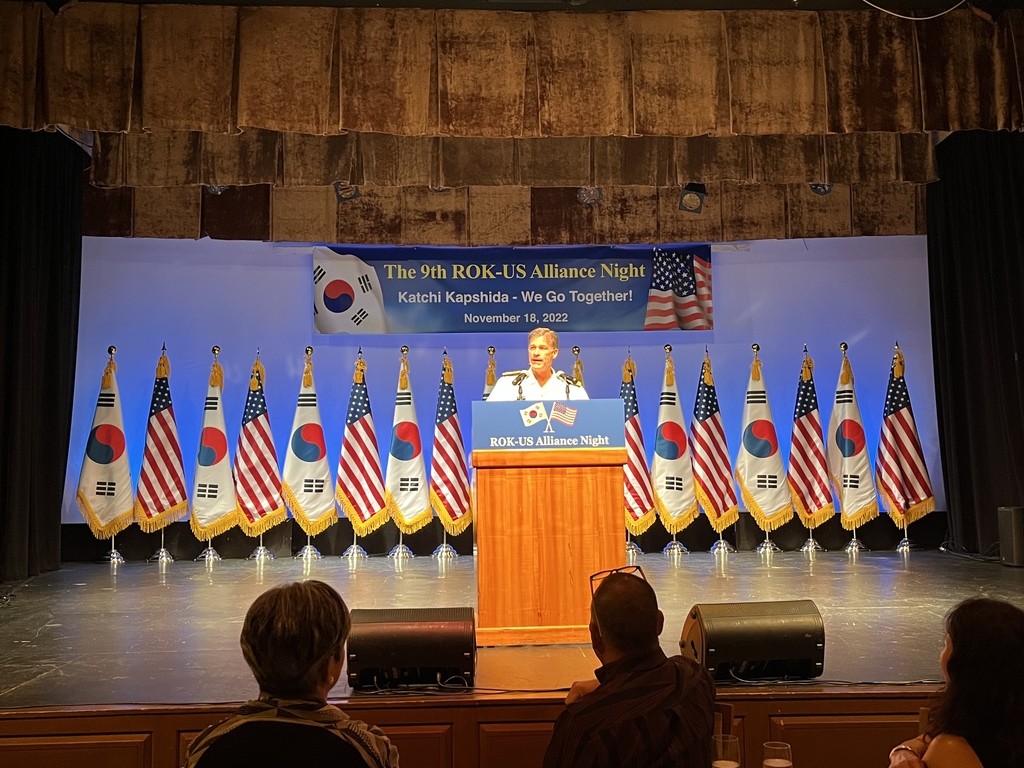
400 551
632 548
445 551
162 555
811 545
354 551
674 548
113 556
905 544
767 547
854 544
209 554
308 552
721 547
261 552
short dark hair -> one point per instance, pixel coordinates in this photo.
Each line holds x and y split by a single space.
291 633
983 702
626 610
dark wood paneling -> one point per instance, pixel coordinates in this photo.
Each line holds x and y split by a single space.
514 745
422 746
842 741
184 739
112 750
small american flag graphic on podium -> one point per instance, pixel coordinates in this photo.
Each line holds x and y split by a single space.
564 414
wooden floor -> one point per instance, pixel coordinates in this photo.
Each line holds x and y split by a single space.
123 667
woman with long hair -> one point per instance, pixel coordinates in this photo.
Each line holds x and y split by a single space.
978 721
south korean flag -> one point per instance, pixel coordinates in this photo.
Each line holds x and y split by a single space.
347 296
406 489
307 487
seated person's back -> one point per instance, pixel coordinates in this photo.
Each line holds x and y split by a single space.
644 709
279 745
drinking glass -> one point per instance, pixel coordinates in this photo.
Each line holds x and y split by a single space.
778 754
727 751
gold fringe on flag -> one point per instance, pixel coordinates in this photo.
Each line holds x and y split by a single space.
670 368
706 369
221 525
258 375
902 518
309 527
165 518
412 524
108 374
377 519
675 524
860 517
577 367
446 369
846 374
453 527
492 369
807 369
628 370
764 521
216 373
729 517
640 524
808 520
307 371
359 377
898 364
403 371
264 524
163 365
755 369
99 530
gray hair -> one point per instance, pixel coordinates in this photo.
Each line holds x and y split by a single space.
551 336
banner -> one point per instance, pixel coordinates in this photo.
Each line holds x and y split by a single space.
389 289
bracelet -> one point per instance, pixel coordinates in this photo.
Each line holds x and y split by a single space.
898 747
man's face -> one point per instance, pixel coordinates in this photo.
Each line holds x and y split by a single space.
542 354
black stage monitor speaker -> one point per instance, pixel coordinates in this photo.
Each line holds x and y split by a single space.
411 646
1011 535
756 641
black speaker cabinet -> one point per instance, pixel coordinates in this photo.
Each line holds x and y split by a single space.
756 641
1011 536
411 646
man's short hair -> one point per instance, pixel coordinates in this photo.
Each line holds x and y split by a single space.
291 633
552 337
626 610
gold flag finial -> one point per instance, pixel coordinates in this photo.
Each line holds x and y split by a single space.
360 375
577 367
258 374
898 364
108 373
706 369
216 372
163 365
755 367
492 369
403 372
670 367
628 369
307 371
846 374
446 368
807 369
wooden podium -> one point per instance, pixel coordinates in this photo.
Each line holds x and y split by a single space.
546 519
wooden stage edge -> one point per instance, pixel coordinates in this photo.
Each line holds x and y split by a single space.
841 727
493 636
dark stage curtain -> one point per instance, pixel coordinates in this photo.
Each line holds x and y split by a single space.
40 274
976 269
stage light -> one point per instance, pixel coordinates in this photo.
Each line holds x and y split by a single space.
691 199
821 189
756 641
412 646
216 189
345 192
588 195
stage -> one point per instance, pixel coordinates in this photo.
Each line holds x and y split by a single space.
147 649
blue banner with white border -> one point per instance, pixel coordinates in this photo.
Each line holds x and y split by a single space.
420 289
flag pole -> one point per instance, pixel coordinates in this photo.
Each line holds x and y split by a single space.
445 551
722 547
632 548
905 544
854 544
767 547
675 548
811 545
400 551
261 553
354 551
162 555
113 556
308 552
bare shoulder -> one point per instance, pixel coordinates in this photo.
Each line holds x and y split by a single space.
945 751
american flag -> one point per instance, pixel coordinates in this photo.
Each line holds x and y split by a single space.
449 479
808 469
680 295
360 488
160 498
639 495
257 477
900 470
565 414
712 469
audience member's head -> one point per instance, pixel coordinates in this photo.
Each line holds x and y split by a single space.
293 639
983 662
624 617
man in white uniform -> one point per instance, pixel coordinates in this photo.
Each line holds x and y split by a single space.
540 381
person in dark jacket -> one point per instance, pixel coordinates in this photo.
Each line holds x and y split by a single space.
644 709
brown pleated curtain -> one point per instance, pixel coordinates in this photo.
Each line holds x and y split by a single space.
473 127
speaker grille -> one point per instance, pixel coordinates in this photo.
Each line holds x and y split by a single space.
403 615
